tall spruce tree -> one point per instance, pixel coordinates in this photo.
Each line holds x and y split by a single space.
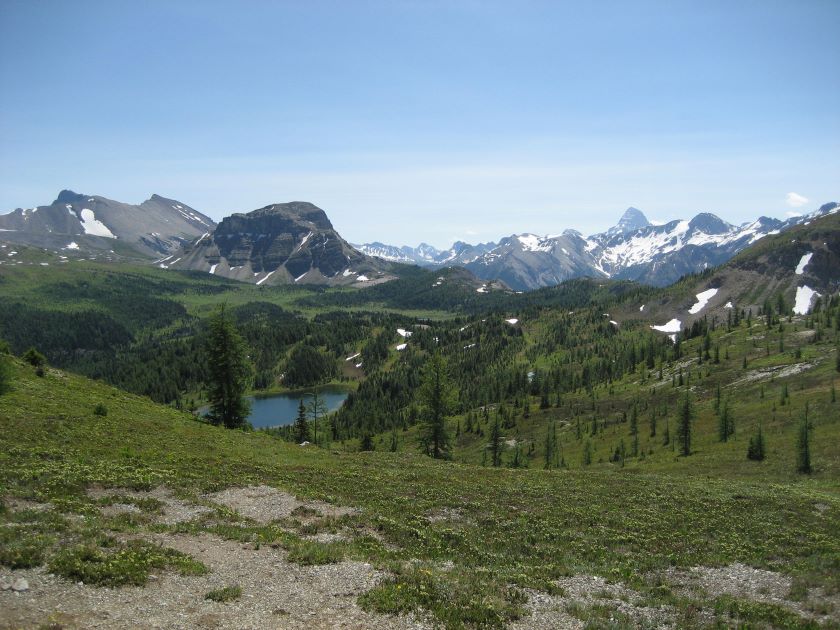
803 447
756 449
229 371
437 395
496 443
587 453
726 422
317 408
301 427
684 417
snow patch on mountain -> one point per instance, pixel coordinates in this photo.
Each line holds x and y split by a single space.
91 225
804 297
267 276
302 243
702 299
534 243
803 262
673 326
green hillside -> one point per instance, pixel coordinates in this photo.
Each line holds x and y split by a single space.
569 495
458 543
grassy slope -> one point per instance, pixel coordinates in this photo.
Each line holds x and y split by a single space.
750 402
520 527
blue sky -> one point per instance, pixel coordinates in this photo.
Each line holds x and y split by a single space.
426 121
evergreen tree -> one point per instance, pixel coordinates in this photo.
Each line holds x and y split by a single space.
366 443
803 447
496 443
229 372
300 430
726 423
620 454
756 449
517 460
317 408
34 358
634 420
5 374
684 418
437 395
587 453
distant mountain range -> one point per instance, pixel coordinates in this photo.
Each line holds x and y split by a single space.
634 249
287 243
90 224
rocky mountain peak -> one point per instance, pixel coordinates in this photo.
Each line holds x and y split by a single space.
633 219
68 196
709 224
301 212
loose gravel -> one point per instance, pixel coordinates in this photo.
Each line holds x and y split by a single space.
275 594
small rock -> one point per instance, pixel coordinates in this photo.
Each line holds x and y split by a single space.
20 585
5 586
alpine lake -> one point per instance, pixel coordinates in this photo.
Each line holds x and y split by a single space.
281 409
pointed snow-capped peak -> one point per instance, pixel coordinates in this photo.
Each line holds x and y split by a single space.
633 219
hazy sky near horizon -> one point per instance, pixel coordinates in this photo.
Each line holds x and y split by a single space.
426 121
